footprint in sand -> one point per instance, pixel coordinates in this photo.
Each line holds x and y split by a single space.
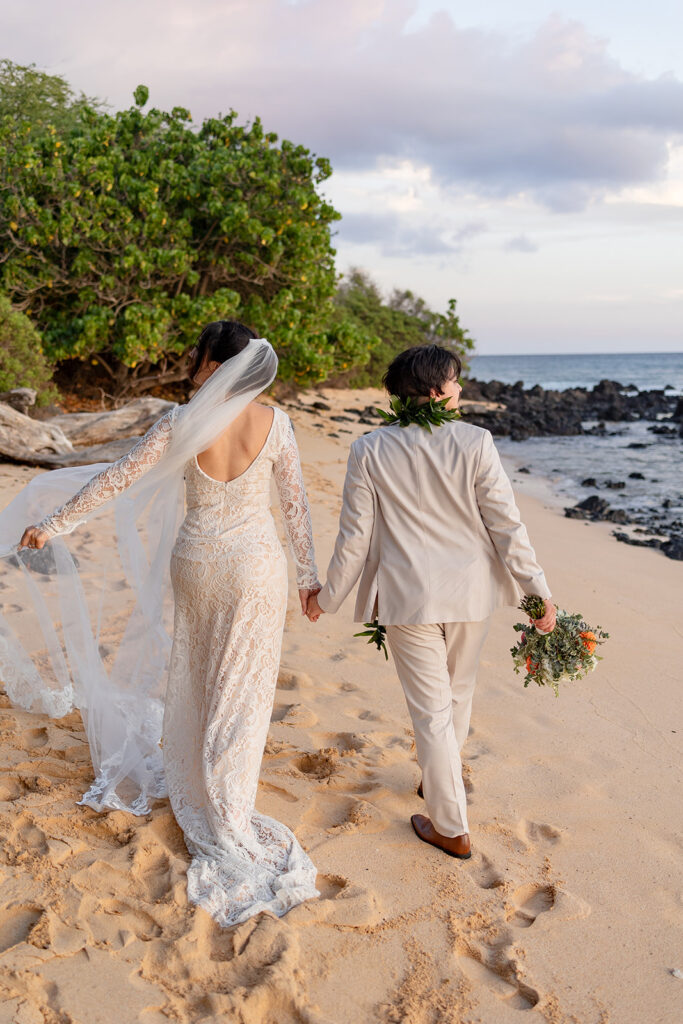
152 869
320 765
294 714
344 903
16 923
11 788
531 832
487 875
289 680
338 815
501 978
26 836
346 742
141 924
278 791
529 901
32 738
370 716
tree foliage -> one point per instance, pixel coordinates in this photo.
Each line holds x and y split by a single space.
42 100
123 234
400 322
22 362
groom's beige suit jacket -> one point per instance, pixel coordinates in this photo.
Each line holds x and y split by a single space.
430 525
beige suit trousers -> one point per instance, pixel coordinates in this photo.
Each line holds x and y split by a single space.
437 666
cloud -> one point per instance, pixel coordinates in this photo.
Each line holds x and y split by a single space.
552 117
398 236
520 243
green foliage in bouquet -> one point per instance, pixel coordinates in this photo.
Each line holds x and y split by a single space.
567 653
22 361
124 234
376 635
424 414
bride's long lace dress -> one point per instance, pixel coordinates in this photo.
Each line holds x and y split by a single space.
229 576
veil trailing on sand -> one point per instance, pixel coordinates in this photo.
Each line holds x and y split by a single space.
90 624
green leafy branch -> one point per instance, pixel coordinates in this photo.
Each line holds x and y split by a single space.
376 635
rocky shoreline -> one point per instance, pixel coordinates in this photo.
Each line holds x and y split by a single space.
521 413
536 412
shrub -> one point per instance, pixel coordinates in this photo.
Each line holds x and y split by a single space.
400 322
22 360
126 233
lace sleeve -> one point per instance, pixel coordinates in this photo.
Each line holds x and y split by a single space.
295 510
111 481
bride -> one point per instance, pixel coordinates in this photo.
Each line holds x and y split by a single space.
218 663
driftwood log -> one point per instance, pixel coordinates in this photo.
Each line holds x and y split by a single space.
20 436
75 439
134 418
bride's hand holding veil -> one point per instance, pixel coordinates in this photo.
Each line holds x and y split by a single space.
33 537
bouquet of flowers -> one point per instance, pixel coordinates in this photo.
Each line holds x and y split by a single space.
551 658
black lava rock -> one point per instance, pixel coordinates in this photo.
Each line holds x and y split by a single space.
673 548
593 504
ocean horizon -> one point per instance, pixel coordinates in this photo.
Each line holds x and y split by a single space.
558 371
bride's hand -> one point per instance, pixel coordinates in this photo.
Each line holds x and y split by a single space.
304 596
547 623
33 537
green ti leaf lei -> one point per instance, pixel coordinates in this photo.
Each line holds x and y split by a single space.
426 414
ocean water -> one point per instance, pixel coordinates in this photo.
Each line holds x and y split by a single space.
566 461
645 370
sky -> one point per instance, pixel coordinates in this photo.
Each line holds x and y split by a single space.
525 159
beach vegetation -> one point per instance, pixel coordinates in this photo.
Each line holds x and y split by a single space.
123 234
398 321
23 363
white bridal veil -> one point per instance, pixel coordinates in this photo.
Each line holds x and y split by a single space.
87 621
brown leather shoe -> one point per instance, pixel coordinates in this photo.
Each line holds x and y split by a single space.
454 846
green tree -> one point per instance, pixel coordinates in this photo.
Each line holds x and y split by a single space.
22 361
400 322
123 234
41 100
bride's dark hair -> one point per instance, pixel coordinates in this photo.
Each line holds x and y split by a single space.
220 340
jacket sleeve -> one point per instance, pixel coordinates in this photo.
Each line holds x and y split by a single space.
353 539
501 517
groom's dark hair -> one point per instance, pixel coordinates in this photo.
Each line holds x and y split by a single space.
418 370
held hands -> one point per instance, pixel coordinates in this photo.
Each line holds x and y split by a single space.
547 623
305 596
314 611
33 537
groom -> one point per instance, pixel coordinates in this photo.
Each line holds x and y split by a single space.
430 525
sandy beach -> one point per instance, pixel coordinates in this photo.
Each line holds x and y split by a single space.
568 912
